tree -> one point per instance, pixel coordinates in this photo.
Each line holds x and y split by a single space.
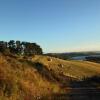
18 47
11 45
1 46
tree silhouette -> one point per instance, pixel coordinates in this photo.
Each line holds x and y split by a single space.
18 47
11 45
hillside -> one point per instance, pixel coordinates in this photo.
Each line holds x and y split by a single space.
31 78
72 68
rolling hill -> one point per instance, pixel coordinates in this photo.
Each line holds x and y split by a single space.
32 78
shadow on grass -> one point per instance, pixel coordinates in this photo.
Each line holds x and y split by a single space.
92 82
43 71
86 89
50 75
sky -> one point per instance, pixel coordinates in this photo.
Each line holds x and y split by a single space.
56 25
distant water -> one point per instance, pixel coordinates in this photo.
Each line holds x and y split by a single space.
83 57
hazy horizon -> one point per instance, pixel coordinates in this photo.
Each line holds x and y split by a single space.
56 25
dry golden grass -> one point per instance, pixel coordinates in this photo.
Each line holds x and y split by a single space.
26 79
76 69
20 80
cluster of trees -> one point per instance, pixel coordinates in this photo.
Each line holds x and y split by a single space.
18 47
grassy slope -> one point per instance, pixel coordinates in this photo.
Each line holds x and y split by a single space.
20 80
75 69
25 79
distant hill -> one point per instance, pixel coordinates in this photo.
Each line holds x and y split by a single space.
32 78
93 59
66 56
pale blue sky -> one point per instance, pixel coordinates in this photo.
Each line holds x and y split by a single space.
57 25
